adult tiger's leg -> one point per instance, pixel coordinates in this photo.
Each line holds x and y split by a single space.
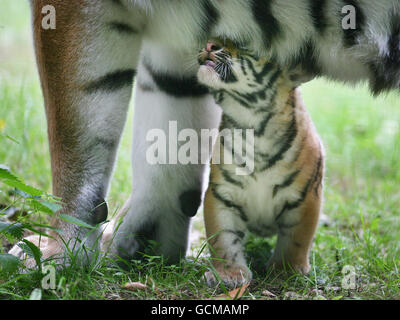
86 66
165 196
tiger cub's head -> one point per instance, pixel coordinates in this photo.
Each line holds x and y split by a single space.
231 68
226 66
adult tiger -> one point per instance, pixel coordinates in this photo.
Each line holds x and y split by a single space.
88 62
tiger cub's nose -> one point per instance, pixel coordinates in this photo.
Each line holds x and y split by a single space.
212 46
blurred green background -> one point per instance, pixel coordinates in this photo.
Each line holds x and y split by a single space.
361 135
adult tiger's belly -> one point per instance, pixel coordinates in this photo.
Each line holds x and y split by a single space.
178 25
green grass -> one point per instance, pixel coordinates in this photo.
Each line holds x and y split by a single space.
361 135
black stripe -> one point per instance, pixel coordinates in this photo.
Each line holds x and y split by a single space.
239 234
242 66
229 204
319 18
260 77
210 19
286 183
234 243
260 130
268 24
229 146
118 3
100 210
306 58
219 97
274 78
230 77
300 148
112 81
318 175
238 99
351 35
247 100
386 70
123 28
177 86
229 179
190 202
295 204
288 138
393 61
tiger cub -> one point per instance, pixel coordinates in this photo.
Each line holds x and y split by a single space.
283 193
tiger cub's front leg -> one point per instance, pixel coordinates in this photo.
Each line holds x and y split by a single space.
226 233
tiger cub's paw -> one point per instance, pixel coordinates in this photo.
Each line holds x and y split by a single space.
233 276
277 267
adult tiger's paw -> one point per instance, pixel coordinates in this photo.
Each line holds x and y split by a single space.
232 276
48 247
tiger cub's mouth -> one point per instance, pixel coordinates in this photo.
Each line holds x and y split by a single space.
210 63
215 64
208 58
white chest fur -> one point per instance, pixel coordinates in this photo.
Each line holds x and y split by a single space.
256 195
